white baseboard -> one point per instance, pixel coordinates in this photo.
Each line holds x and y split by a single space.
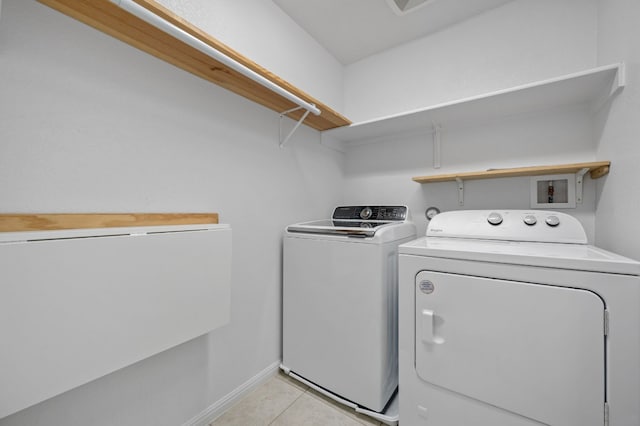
218 408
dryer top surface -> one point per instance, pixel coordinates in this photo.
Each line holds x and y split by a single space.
552 255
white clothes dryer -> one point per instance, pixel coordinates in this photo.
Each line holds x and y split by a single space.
509 318
340 304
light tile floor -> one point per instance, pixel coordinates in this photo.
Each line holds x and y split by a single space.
283 401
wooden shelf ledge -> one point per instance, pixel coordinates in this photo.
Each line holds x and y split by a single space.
597 169
109 18
50 222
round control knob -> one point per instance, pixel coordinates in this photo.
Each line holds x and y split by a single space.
431 212
495 218
366 213
530 220
552 220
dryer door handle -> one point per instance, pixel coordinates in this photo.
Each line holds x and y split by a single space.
427 318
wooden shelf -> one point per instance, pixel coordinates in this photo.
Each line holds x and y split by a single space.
49 222
597 169
109 18
592 86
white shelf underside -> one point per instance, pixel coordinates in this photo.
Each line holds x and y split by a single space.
590 87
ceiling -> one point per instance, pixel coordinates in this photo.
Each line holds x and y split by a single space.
354 29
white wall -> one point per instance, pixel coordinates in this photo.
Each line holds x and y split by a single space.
519 42
262 32
382 172
89 124
619 130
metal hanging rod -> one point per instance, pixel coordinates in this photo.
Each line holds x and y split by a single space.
153 19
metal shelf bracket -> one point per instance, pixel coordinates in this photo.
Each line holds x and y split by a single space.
284 141
460 184
579 183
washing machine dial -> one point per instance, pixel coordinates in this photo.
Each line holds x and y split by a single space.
552 220
495 218
530 220
366 213
431 212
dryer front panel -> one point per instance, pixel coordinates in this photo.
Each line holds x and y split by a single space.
534 350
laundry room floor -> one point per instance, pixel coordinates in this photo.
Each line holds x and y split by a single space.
282 401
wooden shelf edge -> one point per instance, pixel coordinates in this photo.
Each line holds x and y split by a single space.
58 221
107 17
597 169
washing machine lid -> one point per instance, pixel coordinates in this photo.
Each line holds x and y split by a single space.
356 221
581 257
352 228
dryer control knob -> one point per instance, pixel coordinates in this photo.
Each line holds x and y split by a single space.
366 213
530 220
494 218
552 220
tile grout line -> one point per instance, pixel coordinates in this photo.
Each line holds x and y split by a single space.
287 407
327 404
335 405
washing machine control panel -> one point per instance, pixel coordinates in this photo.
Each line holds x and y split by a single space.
508 225
377 213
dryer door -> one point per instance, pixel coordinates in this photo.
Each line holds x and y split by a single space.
534 350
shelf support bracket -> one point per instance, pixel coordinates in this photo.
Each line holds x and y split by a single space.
621 79
616 87
460 184
436 132
284 141
579 182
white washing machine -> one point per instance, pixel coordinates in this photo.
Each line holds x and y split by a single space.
340 303
509 318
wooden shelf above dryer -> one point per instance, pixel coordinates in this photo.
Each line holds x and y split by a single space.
109 18
597 169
